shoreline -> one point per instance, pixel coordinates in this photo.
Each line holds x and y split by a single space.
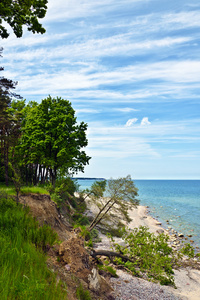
187 280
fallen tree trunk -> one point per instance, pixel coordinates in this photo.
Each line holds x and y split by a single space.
110 254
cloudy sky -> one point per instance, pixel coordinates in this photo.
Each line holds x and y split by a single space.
131 69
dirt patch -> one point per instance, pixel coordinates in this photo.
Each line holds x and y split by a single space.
46 212
76 257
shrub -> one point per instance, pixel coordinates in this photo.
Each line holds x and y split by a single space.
148 253
188 250
80 219
64 191
109 270
82 294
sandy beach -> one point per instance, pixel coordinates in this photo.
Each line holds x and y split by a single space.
127 287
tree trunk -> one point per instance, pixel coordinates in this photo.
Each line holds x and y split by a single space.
42 175
5 162
54 177
109 254
96 220
39 174
26 172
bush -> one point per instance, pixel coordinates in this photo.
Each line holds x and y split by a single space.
148 253
64 191
80 219
188 250
95 235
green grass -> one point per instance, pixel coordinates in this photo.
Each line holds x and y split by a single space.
24 274
34 190
10 190
109 270
83 294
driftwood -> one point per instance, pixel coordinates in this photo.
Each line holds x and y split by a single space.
110 254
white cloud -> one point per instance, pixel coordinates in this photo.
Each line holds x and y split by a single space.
62 10
145 122
125 109
185 19
130 122
87 111
123 44
115 142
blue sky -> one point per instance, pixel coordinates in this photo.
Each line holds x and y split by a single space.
131 69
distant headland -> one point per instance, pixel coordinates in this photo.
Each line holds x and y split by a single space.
88 178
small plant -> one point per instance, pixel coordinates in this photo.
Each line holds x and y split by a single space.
95 236
89 244
188 250
57 199
109 270
84 232
82 294
115 231
80 219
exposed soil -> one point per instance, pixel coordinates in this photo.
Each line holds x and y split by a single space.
46 212
69 260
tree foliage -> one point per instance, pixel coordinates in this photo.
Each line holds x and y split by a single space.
97 190
51 143
22 12
144 254
121 193
9 122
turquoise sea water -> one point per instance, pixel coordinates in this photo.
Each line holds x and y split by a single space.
175 200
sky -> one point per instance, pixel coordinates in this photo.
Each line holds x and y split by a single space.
131 69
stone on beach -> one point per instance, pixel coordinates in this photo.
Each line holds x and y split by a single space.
160 231
158 223
180 235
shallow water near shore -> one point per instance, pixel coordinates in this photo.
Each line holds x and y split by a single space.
177 201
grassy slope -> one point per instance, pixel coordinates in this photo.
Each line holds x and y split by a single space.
24 274
10 190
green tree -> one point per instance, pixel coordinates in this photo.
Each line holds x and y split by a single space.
97 190
121 193
10 131
22 12
9 123
52 141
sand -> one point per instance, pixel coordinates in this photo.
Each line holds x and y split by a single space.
187 280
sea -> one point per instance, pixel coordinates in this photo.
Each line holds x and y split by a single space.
177 201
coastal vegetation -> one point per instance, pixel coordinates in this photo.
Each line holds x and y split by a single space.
139 252
121 195
147 253
24 273
10 190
